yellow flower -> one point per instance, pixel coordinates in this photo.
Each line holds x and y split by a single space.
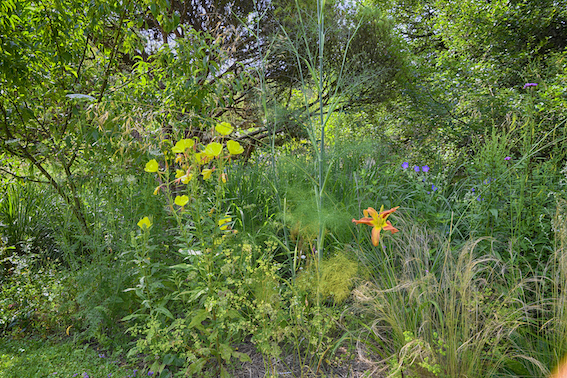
144 223
224 178
207 173
377 222
181 200
157 190
182 145
185 179
234 147
179 173
152 166
213 149
223 128
223 223
201 158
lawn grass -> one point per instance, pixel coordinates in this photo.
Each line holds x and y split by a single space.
41 358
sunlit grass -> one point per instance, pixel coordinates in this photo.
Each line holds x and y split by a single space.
40 358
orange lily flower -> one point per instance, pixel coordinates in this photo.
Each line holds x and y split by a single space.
378 222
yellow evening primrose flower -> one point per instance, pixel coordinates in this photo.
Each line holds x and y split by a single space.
144 223
185 179
201 158
207 173
157 190
179 173
224 128
152 166
234 147
224 178
181 200
182 145
223 223
213 149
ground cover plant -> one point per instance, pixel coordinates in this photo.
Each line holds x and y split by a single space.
268 198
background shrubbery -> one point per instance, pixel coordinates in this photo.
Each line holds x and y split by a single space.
114 236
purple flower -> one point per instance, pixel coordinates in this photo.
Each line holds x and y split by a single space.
101 355
85 375
433 187
425 168
416 168
478 199
507 158
527 85
150 373
472 190
405 165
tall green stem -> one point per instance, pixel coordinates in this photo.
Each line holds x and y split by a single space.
321 30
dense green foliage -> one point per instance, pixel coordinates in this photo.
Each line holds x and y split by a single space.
179 185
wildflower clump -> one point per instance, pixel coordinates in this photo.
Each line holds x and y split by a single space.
191 179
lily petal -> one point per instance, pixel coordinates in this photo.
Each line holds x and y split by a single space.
367 221
390 228
385 214
375 236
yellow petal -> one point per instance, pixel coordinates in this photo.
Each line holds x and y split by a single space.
181 200
234 147
179 173
224 177
185 179
156 190
213 149
207 173
144 223
152 166
224 128
223 223
182 145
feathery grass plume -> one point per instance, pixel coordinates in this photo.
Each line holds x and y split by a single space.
337 276
434 311
546 347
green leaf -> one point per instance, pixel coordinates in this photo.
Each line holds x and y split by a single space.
165 311
242 357
79 96
197 366
225 351
198 317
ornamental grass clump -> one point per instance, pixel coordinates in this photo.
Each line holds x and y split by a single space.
433 311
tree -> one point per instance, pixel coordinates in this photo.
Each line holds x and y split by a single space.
50 69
